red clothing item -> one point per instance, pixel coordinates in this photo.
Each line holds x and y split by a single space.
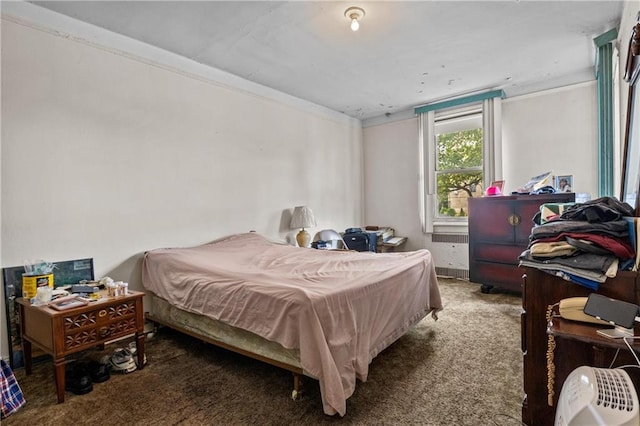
620 248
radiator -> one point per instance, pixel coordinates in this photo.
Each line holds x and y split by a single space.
450 252
450 238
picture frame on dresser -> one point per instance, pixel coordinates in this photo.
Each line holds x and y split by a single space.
563 183
64 273
498 184
630 184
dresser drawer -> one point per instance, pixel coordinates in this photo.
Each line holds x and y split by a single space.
498 253
99 325
502 275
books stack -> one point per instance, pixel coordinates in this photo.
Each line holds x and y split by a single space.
384 233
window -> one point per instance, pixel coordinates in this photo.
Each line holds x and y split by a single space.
458 163
460 143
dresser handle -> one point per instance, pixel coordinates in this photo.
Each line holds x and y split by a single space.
102 313
513 219
104 332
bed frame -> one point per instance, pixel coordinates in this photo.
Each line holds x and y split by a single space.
228 337
234 339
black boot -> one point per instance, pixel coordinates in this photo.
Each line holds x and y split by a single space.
78 379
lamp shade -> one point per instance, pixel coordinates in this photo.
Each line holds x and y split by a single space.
302 218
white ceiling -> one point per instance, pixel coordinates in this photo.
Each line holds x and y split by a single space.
406 53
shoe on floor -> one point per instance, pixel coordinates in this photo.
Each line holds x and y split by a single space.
99 371
77 378
122 362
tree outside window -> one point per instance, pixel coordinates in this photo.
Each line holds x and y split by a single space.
459 170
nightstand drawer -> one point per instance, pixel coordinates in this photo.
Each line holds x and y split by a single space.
98 325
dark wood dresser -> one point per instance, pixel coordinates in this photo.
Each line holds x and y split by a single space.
499 229
575 343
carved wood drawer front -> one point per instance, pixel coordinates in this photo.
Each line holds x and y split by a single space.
101 324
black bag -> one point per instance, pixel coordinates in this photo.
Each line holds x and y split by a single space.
358 240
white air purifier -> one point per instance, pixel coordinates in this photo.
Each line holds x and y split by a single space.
597 396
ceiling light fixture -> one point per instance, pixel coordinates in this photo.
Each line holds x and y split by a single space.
354 14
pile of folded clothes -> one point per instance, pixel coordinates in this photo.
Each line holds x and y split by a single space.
588 243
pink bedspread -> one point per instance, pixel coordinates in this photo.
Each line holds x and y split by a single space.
339 308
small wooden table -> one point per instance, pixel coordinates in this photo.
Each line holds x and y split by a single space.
391 245
586 332
61 333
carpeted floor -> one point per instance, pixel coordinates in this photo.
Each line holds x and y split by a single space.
464 369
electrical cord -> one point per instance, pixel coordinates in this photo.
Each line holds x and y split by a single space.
508 417
629 366
626 342
615 356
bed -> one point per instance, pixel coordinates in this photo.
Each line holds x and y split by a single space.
324 314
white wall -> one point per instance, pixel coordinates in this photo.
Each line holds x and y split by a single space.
106 154
556 131
392 180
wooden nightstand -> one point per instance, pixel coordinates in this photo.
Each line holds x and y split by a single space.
61 333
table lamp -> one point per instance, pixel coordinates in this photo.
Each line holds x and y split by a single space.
302 218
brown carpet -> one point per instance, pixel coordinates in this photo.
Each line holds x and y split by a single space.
464 369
